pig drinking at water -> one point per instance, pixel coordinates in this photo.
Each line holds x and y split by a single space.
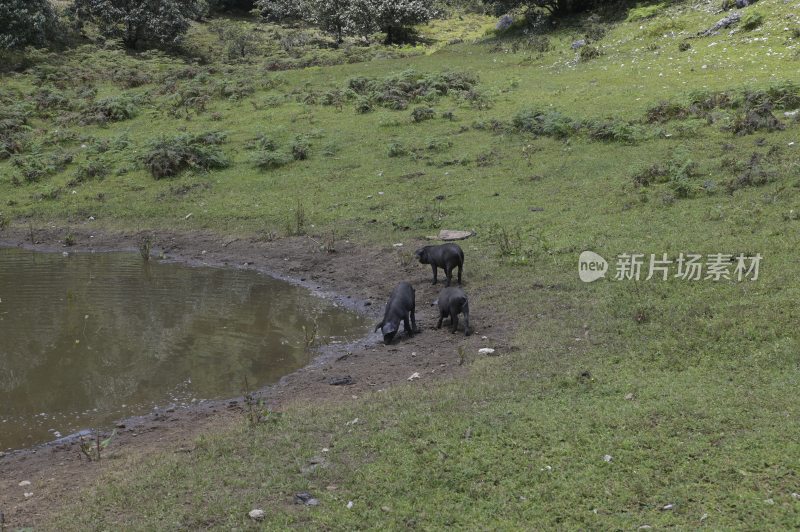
452 302
446 257
399 307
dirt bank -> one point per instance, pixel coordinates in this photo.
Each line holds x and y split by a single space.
355 276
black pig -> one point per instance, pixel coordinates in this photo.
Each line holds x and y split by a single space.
452 302
399 307
446 256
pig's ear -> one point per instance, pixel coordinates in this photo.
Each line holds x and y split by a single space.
378 326
435 302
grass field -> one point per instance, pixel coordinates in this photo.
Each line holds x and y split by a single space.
688 386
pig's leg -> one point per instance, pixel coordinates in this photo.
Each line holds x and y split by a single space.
441 317
465 311
454 315
408 329
459 273
448 272
433 267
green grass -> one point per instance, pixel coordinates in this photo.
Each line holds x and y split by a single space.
520 442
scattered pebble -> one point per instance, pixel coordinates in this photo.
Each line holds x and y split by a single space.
256 515
24 483
398 245
668 507
608 458
629 397
28 494
796 496
485 351
349 504
352 422
414 376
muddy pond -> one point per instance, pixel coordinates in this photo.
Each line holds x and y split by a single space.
90 338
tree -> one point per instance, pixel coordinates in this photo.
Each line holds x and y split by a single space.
392 17
332 16
139 22
24 22
280 10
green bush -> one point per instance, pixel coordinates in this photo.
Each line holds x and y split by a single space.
644 12
420 114
397 149
271 159
545 123
752 20
301 149
112 109
168 157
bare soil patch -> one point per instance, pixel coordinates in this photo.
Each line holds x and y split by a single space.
358 277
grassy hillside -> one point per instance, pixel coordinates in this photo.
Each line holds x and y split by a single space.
653 141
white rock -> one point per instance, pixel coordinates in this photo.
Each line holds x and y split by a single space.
28 494
608 458
256 515
24 483
349 504
398 245
667 507
485 351
414 376
629 397
450 234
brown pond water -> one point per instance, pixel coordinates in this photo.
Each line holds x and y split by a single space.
87 339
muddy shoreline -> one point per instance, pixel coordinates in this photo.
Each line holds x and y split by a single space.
353 276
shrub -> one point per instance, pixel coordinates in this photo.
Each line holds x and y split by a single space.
756 119
420 114
752 20
589 52
363 106
613 130
91 171
301 149
397 150
756 172
168 157
34 167
112 109
271 159
644 12
545 123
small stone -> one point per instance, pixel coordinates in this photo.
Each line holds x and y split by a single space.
769 501
305 498
485 351
349 504
796 496
398 245
28 494
414 376
668 507
256 515
24 483
578 44
608 458
629 397
645 527
385 509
